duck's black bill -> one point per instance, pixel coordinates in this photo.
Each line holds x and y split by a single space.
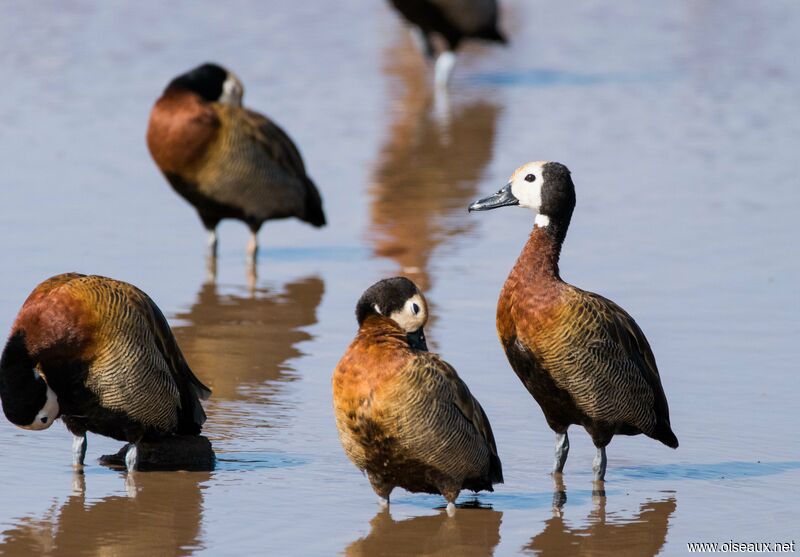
503 198
416 340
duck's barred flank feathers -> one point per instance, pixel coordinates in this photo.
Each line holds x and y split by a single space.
407 419
440 423
129 360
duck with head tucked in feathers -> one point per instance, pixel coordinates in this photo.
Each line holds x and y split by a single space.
404 416
229 162
580 355
99 354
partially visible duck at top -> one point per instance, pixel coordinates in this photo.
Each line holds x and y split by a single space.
452 21
404 416
229 162
99 354
580 355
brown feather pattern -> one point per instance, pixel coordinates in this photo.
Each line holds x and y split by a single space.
582 357
407 419
241 164
117 335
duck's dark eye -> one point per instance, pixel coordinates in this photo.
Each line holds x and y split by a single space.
415 308
530 178
44 420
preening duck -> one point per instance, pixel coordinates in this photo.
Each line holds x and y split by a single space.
229 162
581 356
403 414
453 21
99 354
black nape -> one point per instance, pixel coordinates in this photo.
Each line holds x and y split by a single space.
558 199
205 80
389 295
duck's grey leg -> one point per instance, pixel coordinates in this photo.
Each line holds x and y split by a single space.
599 465
132 457
212 242
78 450
211 268
562 450
252 247
444 69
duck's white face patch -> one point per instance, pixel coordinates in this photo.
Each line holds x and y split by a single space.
412 315
232 91
541 220
526 185
47 415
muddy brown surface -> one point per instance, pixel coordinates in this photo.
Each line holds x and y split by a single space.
680 122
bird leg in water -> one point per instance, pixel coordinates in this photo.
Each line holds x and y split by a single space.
212 242
451 509
78 484
211 268
559 494
562 450
599 465
132 457
444 68
78 450
252 247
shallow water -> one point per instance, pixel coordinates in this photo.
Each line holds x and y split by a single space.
680 122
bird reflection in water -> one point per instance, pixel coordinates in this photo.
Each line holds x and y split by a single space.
604 534
469 532
427 171
241 338
164 518
241 342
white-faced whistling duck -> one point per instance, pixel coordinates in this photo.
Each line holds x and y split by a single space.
229 162
581 356
99 354
403 414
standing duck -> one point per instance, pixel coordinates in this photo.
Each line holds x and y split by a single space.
99 354
403 414
581 356
226 160
453 21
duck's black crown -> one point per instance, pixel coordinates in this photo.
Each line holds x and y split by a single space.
388 294
205 80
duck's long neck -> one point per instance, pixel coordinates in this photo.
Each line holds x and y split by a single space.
538 261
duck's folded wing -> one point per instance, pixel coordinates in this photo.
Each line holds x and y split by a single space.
605 362
443 423
276 143
142 357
